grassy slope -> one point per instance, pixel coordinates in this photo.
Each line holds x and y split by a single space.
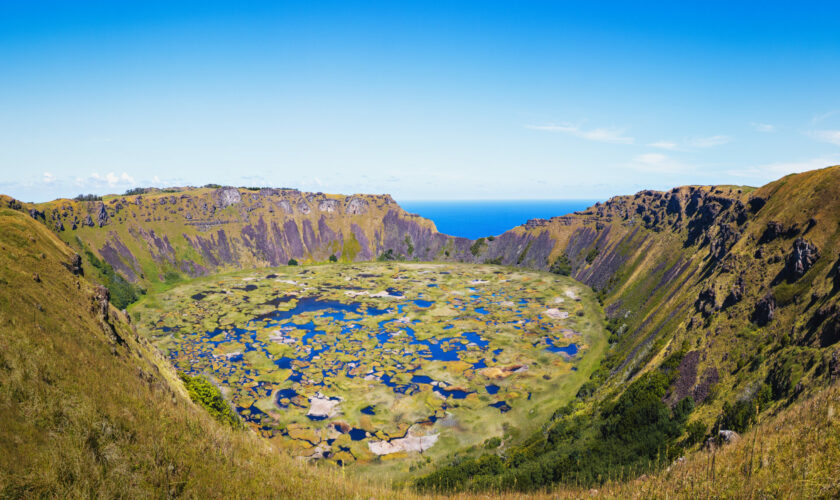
84 415
178 215
795 454
662 316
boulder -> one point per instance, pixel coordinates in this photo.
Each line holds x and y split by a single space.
227 196
801 259
765 310
356 206
75 265
101 215
101 296
706 302
775 230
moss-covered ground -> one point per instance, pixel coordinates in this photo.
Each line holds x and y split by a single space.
384 365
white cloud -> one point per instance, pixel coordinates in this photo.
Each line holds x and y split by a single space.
693 143
819 118
773 171
763 127
832 136
709 142
611 135
671 146
48 178
657 163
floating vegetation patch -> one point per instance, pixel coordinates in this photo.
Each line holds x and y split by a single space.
378 362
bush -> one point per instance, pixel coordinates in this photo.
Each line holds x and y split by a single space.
293 262
783 377
477 246
122 292
88 197
561 266
635 434
171 277
333 258
590 257
210 398
696 432
740 416
387 255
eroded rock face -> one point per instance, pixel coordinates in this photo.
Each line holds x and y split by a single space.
101 215
227 196
328 206
303 207
285 206
801 259
775 230
706 302
765 310
736 294
101 296
356 206
75 265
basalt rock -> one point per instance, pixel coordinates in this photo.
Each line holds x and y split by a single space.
75 265
101 297
801 259
765 310
102 217
356 206
328 206
776 230
706 303
227 196
736 294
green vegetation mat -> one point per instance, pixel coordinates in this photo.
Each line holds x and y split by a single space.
384 365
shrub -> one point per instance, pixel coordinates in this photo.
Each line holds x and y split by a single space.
561 266
477 246
387 255
590 257
293 262
333 258
210 398
122 292
696 432
783 377
493 442
171 277
88 197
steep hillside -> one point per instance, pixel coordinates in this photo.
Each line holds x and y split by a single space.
87 409
159 236
723 296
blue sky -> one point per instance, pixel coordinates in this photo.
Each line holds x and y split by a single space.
423 100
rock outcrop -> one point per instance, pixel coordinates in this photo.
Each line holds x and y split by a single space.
801 259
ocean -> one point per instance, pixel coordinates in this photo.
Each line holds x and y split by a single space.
473 219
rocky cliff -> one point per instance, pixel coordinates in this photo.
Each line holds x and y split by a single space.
195 232
729 274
